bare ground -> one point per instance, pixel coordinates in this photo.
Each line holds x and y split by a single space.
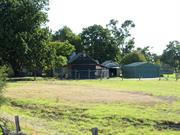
77 94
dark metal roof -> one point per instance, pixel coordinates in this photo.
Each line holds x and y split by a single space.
135 64
75 57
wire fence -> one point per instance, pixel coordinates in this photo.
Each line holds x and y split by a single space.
87 74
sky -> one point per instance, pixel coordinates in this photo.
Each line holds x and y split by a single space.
157 21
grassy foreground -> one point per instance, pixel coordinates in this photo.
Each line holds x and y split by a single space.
55 107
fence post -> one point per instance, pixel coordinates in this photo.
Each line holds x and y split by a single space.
94 131
18 129
177 75
4 130
79 75
75 74
89 74
101 75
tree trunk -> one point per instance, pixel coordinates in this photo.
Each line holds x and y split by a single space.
17 70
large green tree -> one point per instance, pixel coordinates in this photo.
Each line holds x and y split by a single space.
57 56
37 50
19 19
122 35
171 55
66 34
99 43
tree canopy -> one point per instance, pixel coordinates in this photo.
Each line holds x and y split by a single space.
66 34
149 55
19 20
98 43
122 36
58 54
133 57
171 55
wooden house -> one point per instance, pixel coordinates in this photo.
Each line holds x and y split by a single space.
82 66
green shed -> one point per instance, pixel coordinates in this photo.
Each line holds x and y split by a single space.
141 70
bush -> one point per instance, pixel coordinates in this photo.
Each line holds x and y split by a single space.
2 82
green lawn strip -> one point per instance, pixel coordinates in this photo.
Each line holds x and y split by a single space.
162 111
109 118
158 112
137 119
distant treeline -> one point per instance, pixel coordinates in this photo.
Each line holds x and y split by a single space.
27 45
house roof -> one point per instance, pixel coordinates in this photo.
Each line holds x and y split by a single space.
76 56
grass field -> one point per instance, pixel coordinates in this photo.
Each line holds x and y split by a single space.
116 107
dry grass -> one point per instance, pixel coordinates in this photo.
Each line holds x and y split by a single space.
76 94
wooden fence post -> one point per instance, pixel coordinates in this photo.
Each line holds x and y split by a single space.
18 129
4 130
94 131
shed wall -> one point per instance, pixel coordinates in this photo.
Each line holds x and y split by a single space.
141 71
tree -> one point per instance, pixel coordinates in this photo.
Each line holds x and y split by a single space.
62 48
156 59
66 34
99 44
171 55
63 34
150 57
133 57
19 19
57 55
122 36
37 50
147 53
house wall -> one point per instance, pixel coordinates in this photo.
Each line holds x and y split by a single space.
83 71
84 67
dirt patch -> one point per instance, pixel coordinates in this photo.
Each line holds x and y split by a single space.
169 99
77 94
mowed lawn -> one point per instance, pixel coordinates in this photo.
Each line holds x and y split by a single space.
73 107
